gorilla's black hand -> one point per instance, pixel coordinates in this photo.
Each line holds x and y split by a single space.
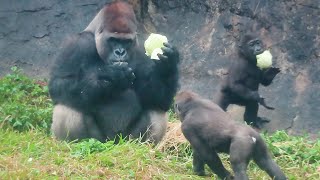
124 70
169 59
263 103
119 74
270 73
170 53
122 74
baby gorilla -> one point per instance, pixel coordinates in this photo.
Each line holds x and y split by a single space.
210 130
241 86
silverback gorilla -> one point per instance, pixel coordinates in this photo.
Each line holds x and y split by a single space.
242 83
211 130
103 85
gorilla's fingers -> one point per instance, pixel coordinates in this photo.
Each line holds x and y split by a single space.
278 69
168 45
274 70
133 75
167 50
129 74
162 57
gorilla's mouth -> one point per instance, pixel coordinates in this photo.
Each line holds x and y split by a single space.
119 63
258 52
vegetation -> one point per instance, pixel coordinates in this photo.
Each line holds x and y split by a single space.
24 103
27 150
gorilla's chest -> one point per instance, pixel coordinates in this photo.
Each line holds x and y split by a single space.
253 78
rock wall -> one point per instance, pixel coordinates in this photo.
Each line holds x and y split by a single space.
206 33
31 31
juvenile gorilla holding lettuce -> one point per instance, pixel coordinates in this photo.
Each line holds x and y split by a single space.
251 67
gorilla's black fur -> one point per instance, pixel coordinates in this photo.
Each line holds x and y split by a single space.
242 83
103 84
210 130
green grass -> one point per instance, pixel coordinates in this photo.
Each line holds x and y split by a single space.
27 150
24 103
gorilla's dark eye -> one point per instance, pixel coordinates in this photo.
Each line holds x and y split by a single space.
120 41
128 42
112 39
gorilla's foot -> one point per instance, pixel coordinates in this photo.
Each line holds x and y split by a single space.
263 120
257 125
200 173
260 121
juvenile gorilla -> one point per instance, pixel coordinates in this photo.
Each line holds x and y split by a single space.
210 130
103 84
242 83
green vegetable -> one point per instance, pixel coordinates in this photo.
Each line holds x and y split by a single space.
153 45
264 60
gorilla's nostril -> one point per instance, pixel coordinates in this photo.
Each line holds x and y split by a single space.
123 53
117 52
120 52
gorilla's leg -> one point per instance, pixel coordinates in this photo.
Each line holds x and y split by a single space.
263 159
206 153
198 164
69 124
152 123
250 114
240 153
158 125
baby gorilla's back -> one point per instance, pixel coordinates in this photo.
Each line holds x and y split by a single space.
210 130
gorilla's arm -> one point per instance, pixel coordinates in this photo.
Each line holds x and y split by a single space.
237 83
157 80
79 78
268 75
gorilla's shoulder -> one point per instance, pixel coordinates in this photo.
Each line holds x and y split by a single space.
78 50
81 40
78 46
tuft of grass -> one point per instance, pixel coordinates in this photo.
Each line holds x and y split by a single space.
298 154
24 103
172 116
28 152
35 155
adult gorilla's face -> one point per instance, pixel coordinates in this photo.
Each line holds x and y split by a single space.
115 33
115 48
